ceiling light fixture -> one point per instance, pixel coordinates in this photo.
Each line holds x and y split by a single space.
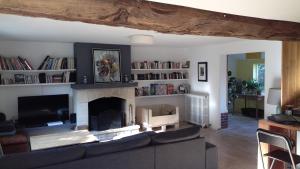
141 39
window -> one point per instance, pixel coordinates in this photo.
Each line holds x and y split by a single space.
259 74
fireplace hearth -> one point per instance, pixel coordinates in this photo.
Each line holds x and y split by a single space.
107 113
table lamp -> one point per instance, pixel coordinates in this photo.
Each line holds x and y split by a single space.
274 98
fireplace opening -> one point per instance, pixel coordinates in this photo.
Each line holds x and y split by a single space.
107 113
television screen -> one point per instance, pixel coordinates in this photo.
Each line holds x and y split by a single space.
36 111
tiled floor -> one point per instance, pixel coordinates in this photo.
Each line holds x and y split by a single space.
237 146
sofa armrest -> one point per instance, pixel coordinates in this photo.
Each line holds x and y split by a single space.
211 156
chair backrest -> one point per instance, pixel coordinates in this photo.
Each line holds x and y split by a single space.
274 139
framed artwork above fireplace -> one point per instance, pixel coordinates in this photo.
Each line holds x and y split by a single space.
107 65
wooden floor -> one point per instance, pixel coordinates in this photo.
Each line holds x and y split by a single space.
237 146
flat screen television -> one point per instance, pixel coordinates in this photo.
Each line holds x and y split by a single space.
37 111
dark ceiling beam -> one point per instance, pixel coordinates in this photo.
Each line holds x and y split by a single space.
159 17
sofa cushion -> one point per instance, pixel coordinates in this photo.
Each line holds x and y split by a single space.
141 158
176 136
181 155
126 143
42 158
211 156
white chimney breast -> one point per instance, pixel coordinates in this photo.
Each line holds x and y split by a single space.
83 96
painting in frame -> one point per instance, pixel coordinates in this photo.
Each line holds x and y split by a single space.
202 71
107 65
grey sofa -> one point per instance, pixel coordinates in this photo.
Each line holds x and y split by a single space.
181 149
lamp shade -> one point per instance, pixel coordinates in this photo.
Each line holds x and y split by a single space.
274 96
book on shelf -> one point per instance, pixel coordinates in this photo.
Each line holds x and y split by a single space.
57 78
14 63
156 89
65 77
27 63
50 63
160 76
186 65
5 81
32 79
157 65
170 89
43 63
19 79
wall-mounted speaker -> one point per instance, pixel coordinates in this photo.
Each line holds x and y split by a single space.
2 117
73 118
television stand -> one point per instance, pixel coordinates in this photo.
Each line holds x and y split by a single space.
50 129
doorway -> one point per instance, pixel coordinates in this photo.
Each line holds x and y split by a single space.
246 84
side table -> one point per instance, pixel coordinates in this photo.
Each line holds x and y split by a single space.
15 143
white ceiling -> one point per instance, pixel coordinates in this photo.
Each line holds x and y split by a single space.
288 10
41 29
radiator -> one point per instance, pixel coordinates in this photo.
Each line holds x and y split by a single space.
197 109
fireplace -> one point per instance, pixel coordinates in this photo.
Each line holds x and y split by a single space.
107 113
84 98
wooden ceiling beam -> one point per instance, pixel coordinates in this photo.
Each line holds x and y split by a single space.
145 15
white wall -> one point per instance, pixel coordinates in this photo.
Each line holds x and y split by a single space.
148 53
36 52
216 86
142 53
215 55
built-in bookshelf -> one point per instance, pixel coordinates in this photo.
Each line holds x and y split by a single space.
18 71
160 78
159 65
37 71
38 84
156 96
154 70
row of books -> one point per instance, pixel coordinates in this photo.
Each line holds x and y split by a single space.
156 89
21 79
51 63
14 63
158 65
65 77
160 76
60 78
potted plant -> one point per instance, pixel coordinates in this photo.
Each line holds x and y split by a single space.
253 87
